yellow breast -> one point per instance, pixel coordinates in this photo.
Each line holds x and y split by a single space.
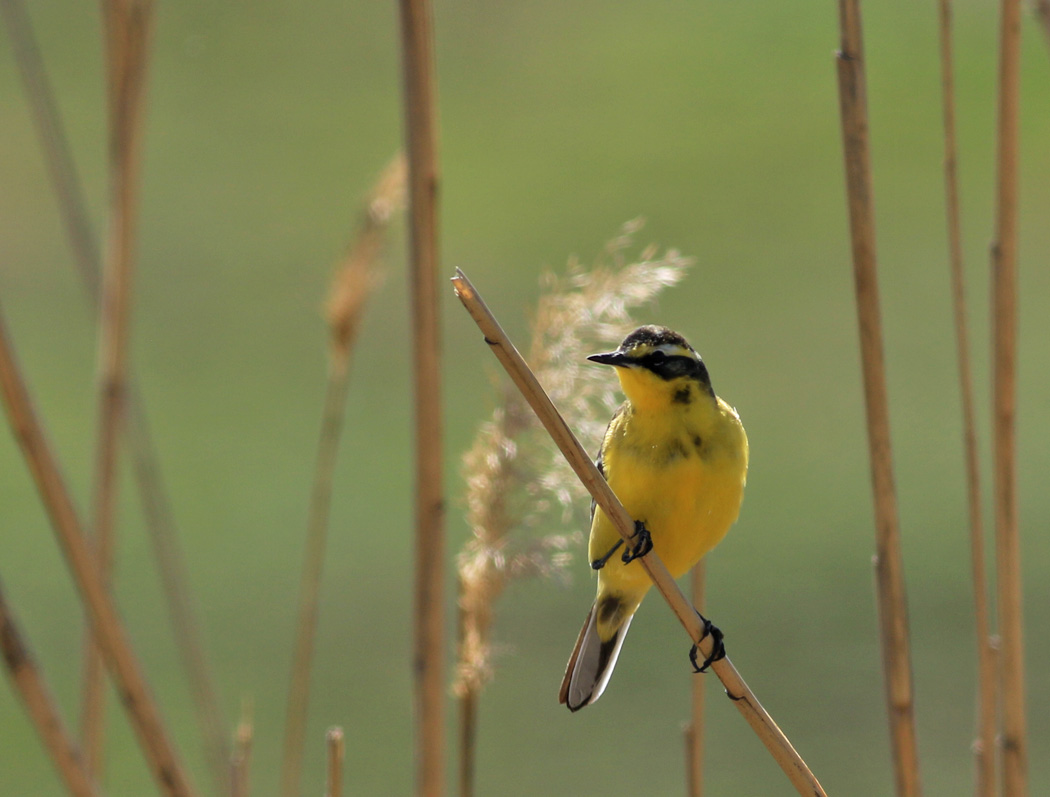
683 474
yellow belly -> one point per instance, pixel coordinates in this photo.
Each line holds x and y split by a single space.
687 497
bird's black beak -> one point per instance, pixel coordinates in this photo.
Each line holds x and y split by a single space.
611 358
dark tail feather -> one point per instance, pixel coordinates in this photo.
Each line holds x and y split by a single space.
591 664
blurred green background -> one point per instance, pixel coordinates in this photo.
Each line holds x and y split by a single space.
717 121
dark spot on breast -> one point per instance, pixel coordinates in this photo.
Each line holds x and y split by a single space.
677 449
683 396
697 442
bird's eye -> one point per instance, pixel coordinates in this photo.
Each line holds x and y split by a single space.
656 356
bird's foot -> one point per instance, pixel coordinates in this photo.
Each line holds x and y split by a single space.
718 651
598 564
640 548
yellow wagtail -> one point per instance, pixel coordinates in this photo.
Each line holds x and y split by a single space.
675 454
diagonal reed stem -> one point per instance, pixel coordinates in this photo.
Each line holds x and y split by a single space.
421 136
105 622
28 681
889 567
167 552
984 743
1004 356
739 692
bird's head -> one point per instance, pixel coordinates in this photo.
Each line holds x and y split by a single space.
658 367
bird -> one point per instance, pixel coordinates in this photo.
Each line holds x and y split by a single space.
675 455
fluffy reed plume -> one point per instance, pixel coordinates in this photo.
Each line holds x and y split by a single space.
515 477
353 284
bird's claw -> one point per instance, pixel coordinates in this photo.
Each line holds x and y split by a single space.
718 650
640 548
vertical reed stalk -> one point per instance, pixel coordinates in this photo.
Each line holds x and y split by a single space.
1004 355
352 286
241 757
127 25
739 692
167 552
694 730
889 569
98 605
421 136
984 743
29 682
334 781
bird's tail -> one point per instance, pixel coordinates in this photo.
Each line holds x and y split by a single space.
593 659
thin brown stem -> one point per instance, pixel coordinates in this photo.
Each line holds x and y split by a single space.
164 536
889 569
28 682
421 136
468 708
336 748
98 605
353 284
694 730
1004 356
984 743
127 25
738 691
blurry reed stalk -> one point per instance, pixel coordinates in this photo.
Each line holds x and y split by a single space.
429 649
984 743
241 757
1042 13
105 622
127 25
1004 355
889 568
515 477
354 282
28 681
743 698
167 553
336 748
694 730
59 161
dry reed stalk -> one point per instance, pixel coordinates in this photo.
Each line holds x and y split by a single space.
167 552
1014 742
241 757
421 137
1042 13
353 284
694 729
98 605
28 681
984 743
743 698
515 477
889 568
127 25
336 749
56 148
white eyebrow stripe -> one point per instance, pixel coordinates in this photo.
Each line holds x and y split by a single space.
674 350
